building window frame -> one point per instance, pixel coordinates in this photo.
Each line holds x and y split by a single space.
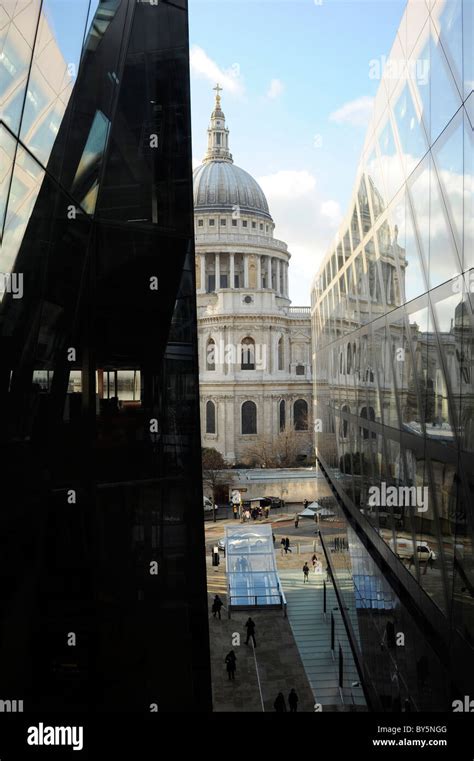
211 418
248 418
300 415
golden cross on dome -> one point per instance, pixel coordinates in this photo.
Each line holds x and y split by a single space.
218 90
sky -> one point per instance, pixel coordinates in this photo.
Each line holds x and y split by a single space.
297 99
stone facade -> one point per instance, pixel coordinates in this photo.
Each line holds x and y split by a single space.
254 347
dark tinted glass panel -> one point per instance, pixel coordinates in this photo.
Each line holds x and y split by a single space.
99 398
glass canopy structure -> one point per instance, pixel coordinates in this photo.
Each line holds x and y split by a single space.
252 578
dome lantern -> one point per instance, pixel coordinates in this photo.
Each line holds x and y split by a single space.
218 134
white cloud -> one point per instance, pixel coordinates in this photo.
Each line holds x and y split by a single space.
332 211
276 88
297 209
356 112
288 184
205 68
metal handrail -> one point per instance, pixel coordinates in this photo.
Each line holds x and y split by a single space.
280 593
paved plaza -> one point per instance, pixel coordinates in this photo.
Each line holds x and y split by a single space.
274 666
291 652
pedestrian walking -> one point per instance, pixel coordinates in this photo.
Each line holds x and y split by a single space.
314 560
305 572
283 545
293 700
235 510
231 664
279 705
216 606
287 545
250 626
297 520
273 539
305 504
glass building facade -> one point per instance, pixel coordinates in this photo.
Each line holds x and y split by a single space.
393 355
102 569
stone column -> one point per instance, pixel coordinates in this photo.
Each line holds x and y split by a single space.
246 271
230 404
231 271
269 272
278 288
203 273
259 271
217 270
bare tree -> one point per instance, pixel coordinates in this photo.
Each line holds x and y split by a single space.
214 474
281 451
260 453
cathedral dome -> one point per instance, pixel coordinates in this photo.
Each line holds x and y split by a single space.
219 185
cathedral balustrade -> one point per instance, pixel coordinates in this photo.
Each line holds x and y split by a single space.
230 238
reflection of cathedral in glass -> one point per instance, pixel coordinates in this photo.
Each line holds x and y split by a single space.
393 341
102 572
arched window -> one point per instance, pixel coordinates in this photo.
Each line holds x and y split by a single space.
211 355
247 361
282 415
249 418
210 417
344 422
300 415
367 413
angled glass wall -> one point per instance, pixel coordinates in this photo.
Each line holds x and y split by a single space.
393 331
102 570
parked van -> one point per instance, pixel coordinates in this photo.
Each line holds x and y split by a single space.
404 549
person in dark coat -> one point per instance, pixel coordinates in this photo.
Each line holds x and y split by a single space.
287 545
250 626
305 573
279 705
283 545
231 664
216 606
293 700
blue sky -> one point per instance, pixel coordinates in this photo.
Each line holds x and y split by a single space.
297 97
